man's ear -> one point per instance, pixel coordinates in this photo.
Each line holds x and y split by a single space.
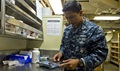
81 12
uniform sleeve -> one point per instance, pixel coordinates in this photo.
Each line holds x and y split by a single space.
62 48
98 51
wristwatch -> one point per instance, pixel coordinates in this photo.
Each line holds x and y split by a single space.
81 62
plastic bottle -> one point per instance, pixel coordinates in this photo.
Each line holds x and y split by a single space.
35 55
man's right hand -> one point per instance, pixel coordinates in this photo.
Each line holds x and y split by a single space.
57 57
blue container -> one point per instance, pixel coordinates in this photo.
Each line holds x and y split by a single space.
20 58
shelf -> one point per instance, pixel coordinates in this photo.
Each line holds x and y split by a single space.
114 47
31 4
21 24
18 36
114 52
19 20
24 16
18 23
116 62
22 4
115 42
115 57
27 8
33 38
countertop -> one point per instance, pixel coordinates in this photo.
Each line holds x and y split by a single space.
27 67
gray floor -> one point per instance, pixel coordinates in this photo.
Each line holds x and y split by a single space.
110 67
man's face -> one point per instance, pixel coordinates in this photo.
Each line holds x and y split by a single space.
73 17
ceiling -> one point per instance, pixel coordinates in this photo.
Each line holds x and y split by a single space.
93 7
101 6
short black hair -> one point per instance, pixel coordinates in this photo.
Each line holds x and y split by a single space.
73 6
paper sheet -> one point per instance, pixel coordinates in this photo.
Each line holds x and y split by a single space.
53 27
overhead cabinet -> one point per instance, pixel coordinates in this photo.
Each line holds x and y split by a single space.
18 19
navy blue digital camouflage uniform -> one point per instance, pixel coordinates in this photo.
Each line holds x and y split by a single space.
87 42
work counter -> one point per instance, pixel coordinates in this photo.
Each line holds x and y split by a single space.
27 67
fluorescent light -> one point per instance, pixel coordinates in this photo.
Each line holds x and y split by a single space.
106 17
56 6
113 30
109 32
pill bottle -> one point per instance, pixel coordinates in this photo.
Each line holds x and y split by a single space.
35 55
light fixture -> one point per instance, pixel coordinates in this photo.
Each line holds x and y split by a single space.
56 6
106 18
113 30
109 32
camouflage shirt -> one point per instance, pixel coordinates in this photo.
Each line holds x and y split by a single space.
86 42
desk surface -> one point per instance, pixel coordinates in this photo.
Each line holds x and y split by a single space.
27 67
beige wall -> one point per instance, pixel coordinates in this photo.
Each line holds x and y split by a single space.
49 42
52 42
12 44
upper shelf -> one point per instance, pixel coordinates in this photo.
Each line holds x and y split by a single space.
31 4
21 24
115 42
18 13
23 4
22 14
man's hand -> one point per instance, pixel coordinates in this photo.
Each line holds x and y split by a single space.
57 57
70 64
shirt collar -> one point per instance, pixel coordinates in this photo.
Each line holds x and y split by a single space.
82 26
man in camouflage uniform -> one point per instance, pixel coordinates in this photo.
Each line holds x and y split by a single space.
83 45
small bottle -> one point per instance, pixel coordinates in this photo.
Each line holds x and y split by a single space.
35 55
44 58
